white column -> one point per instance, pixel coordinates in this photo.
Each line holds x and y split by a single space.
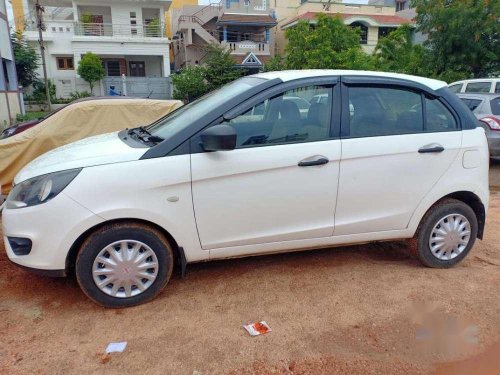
76 61
166 65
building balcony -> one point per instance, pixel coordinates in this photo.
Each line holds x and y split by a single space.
118 30
91 31
246 46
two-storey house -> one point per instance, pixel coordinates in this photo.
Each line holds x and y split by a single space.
246 27
10 104
128 35
375 19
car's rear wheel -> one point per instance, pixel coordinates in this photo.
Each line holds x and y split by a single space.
124 264
446 234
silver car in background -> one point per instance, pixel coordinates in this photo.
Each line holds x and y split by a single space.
486 108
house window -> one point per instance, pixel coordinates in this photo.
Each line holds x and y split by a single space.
113 68
385 31
133 23
5 74
363 35
400 5
137 69
65 63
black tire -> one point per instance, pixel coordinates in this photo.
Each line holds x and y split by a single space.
109 234
432 217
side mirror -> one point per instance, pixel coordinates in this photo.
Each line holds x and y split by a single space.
218 138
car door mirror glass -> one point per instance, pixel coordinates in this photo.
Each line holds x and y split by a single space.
218 138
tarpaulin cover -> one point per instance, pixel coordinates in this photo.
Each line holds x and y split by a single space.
74 122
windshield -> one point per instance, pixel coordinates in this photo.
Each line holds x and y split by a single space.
186 115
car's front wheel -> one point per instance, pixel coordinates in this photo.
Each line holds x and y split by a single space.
124 264
446 234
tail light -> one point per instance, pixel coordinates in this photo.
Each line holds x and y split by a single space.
492 122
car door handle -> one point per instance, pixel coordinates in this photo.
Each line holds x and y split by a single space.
313 160
433 147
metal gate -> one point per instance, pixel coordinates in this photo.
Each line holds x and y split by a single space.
139 87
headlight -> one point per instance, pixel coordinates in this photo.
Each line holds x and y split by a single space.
40 189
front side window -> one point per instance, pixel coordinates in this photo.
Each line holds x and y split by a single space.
478 87
290 117
186 115
497 88
376 111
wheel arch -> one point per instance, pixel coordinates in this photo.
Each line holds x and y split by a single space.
75 248
473 201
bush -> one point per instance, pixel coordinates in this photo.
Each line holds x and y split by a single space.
39 92
189 83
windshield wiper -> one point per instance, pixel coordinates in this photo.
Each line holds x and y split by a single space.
142 134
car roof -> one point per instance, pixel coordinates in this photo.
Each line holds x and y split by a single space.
289 75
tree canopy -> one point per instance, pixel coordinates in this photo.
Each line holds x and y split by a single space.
397 53
329 44
189 83
26 60
463 36
218 69
90 69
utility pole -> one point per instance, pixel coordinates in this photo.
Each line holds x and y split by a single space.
39 24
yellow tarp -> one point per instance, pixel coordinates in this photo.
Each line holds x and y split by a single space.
75 122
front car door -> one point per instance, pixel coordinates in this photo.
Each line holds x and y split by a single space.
280 183
397 142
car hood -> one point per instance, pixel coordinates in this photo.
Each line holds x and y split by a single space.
97 150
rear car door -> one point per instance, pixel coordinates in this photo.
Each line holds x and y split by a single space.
280 183
397 142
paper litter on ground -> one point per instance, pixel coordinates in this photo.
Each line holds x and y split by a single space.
116 347
259 328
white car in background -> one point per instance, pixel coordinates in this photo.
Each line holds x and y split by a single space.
479 85
383 157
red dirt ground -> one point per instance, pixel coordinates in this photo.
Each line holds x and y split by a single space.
368 309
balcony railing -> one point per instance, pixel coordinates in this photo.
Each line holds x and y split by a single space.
246 46
113 29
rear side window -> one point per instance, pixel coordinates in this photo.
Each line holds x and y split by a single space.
495 106
378 111
497 88
478 87
455 88
438 117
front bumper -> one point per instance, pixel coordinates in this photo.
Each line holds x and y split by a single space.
52 227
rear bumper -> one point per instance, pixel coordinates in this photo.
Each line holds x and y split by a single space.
494 144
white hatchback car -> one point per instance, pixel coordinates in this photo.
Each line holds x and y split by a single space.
386 156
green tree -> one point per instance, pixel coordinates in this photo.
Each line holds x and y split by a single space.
189 83
90 69
463 36
26 60
276 63
330 44
219 67
397 53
